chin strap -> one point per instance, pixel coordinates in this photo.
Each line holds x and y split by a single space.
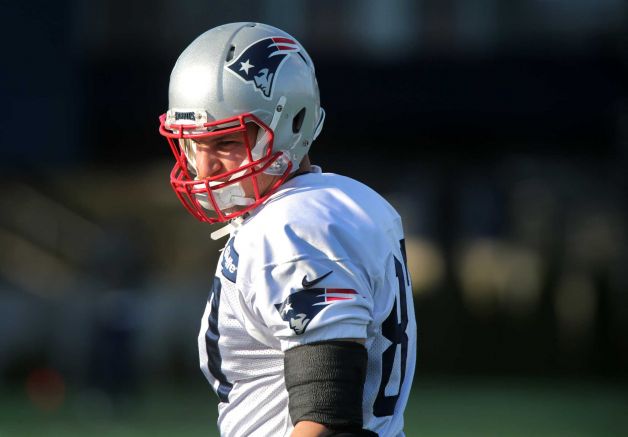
228 228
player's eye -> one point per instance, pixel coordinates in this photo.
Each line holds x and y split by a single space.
227 144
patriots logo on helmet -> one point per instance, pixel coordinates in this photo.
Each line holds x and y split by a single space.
259 63
301 307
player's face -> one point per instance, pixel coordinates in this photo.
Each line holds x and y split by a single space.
221 154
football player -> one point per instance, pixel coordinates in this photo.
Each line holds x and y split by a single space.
309 328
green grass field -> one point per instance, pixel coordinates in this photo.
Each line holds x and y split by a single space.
438 407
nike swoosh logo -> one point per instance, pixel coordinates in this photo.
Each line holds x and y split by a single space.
308 284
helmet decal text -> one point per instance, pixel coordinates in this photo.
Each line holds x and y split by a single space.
184 116
260 62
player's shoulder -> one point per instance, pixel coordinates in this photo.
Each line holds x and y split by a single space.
320 215
318 197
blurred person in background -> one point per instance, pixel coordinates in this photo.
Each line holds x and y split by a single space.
309 328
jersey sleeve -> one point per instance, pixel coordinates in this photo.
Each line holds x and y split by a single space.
312 299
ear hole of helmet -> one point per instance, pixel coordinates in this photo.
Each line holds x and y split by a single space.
297 121
230 53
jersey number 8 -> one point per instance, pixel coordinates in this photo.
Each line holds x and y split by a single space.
394 329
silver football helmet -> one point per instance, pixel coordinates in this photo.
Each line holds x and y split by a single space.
229 76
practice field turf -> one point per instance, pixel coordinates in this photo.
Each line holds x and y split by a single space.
438 407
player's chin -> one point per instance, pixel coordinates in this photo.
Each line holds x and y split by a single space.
233 209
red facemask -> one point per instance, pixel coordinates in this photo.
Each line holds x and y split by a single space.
221 197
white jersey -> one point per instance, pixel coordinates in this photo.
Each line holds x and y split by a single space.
322 259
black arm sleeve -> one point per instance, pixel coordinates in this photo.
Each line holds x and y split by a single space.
325 383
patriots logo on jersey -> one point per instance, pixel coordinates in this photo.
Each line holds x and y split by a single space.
259 63
301 307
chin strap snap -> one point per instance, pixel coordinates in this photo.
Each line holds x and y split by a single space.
228 228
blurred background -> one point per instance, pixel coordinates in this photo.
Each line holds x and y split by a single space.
499 129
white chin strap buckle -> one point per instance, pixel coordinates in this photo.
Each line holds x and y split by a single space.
227 229
278 168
